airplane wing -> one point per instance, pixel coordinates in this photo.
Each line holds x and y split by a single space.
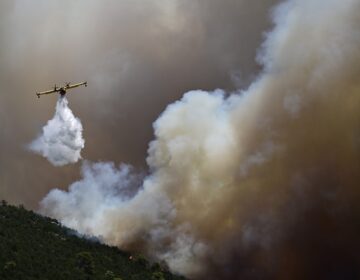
76 85
46 92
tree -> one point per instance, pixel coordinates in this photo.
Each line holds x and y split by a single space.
157 275
11 265
109 275
85 262
141 260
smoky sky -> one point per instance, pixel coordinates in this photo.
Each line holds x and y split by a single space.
252 174
137 56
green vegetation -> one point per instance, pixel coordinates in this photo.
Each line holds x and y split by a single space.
37 247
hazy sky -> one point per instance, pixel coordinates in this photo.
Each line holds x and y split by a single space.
137 56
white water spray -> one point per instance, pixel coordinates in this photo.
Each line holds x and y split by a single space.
61 140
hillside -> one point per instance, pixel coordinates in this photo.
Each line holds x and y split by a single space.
36 247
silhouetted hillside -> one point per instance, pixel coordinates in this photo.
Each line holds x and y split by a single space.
36 247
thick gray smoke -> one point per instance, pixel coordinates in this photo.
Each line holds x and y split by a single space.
243 186
61 140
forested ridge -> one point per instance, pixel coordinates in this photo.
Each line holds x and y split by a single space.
36 247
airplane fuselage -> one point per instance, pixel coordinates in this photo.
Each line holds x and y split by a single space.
62 92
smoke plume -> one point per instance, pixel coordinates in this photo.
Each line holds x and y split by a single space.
61 140
260 183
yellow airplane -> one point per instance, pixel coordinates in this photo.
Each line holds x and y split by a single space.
61 90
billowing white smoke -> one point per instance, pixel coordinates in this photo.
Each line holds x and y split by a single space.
61 140
194 161
223 168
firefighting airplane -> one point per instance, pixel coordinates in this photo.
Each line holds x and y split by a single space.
61 90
